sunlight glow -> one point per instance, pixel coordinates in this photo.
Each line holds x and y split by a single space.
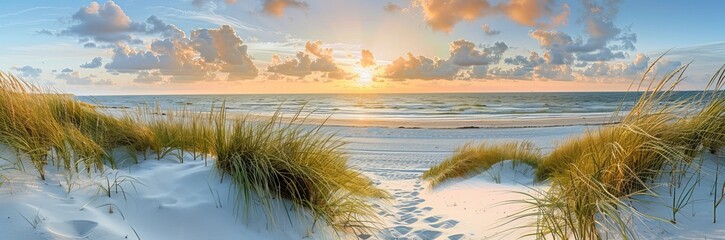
365 76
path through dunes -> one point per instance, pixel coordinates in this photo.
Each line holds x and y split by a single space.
395 159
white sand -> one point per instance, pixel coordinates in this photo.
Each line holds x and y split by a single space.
163 200
181 201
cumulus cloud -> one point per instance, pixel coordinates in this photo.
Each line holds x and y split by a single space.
196 58
465 53
420 67
95 63
367 58
276 7
66 70
533 67
28 71
304 64
524 67
464 62
104 82
562 18
664 66
526 12
488 31
537 67
392 8
74 78
103 23
604 41
298 66
223 48
108 23
148 77
625 71
166 30
443 15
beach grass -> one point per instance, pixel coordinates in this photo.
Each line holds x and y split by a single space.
472 159
590 175
266 159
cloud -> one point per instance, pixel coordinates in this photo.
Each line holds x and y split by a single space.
562 18
464 62
95 63
66 70
443 15
148 77
665 66
166 30
524 67
28 71
464 53
199 3
604 41
366 58
392 8
196 58
299 66
526 12
533 67
303 63
488 31
108 23
103 23
623 71
74 78
225 49
104 82
536 67
325 62
420 67
276 7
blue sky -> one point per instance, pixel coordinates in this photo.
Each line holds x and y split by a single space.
293 46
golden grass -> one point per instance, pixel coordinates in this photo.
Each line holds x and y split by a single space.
591 174
472 159
265 160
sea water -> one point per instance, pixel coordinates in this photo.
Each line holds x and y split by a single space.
427 106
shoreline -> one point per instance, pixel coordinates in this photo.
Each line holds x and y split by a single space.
433 124
449 123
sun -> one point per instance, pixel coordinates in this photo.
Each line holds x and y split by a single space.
365 76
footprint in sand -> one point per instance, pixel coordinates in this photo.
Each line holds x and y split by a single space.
445 224
427 234
72 228
455 237
408 219
408 209
395 232
432 219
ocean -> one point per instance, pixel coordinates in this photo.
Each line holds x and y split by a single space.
408 107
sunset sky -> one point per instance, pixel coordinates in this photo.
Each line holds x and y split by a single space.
326 46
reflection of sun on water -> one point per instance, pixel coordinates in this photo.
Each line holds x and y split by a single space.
365 77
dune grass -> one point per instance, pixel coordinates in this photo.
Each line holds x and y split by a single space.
590 175
266 160
472 159
52 128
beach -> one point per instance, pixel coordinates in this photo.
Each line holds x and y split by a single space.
361 120
167 199
178 184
